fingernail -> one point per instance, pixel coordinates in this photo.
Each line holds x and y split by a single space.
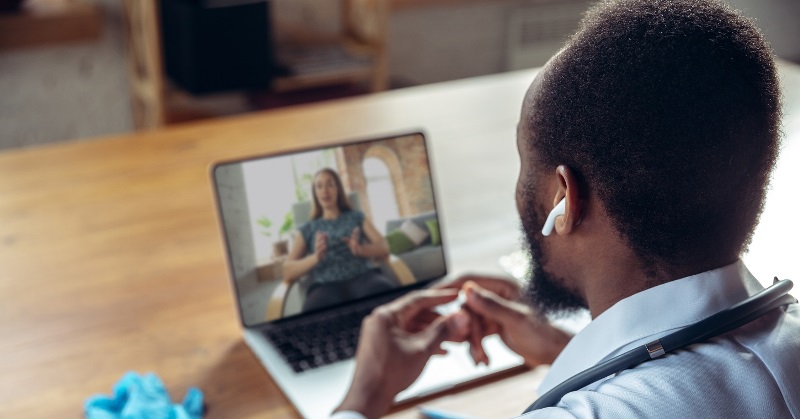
472 295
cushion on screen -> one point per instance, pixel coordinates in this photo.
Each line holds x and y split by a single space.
399 242
433 229
414 232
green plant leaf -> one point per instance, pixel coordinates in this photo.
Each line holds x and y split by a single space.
266 223
287 226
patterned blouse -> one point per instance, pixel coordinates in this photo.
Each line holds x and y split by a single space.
339 263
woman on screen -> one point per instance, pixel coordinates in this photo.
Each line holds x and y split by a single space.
334 248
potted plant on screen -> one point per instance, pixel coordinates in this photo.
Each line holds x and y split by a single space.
280 247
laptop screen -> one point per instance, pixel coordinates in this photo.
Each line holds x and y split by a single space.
317 229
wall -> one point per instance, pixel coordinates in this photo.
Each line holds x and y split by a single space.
437 43
65 92
407 161
253 294
778 19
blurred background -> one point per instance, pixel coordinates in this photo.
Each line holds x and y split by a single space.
73 69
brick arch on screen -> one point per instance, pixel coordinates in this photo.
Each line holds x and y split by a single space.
392 162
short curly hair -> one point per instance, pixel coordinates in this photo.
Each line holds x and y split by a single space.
668 111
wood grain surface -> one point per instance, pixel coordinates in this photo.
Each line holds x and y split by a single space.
111 259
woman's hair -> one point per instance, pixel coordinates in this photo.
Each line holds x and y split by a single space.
341 199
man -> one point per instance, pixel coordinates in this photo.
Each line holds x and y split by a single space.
657 125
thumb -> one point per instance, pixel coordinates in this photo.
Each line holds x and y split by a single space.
454 327
490 305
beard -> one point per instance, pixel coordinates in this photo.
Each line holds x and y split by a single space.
544 291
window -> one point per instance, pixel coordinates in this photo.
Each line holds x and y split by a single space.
380 190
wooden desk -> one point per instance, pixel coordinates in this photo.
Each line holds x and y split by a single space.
111 259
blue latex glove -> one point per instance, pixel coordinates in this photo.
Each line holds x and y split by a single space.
143 397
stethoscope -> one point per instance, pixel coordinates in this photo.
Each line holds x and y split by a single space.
721 322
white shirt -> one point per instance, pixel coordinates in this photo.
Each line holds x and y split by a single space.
752 372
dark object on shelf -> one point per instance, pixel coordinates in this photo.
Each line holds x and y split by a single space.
212 46
10 5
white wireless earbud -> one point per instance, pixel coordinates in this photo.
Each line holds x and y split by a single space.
560 209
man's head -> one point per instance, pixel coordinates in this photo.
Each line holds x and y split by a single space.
660 120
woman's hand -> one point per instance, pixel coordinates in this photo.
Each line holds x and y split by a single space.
374 247
301 258
353 242
320 245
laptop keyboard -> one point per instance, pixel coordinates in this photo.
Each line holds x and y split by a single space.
322 339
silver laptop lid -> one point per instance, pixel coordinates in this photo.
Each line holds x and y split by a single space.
296 246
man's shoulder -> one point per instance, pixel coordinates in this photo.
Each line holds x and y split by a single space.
715 379
751 372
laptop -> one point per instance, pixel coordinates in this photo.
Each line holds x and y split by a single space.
301 311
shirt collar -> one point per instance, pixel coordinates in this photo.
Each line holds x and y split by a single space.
651 314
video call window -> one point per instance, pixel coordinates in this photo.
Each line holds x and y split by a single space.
276 210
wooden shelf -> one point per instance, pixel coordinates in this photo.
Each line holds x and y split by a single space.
324 64
44 23
363 37
413 4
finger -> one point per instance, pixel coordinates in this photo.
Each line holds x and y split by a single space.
410 305
421 321
483 333
475 338
451 327
489 328
490 305
461 280
505 287
427 316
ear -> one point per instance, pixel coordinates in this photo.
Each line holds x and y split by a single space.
568 190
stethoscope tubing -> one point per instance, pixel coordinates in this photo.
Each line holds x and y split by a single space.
719 323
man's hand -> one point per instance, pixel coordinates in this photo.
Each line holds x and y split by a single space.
396 341
494 306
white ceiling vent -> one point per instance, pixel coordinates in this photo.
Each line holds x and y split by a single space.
537 32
